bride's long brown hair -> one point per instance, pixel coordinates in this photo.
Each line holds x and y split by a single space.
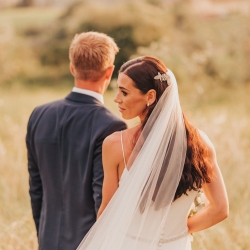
196 169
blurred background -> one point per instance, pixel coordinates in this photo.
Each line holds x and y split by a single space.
205 43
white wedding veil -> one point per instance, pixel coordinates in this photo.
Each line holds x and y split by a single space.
139 209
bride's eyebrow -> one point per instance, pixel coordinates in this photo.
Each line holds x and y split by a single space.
122 88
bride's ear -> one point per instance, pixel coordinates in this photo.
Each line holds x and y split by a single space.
151 96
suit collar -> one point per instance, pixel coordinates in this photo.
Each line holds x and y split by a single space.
77 97
98 96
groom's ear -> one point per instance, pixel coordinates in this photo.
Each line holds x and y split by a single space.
109 72
72 69
151 96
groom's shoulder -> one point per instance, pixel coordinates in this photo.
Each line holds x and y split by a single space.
95 112
106 118
49 105
105 112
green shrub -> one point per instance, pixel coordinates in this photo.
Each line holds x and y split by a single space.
199 49
128 23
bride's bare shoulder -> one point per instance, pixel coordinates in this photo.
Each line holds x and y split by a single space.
114 140
205 139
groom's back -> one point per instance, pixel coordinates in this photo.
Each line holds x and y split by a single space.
64 142
65 139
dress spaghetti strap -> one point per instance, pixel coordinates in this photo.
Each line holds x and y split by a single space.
125 165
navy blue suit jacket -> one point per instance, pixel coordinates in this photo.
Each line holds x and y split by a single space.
64 141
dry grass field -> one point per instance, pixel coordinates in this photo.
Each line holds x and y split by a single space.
219 106
223 115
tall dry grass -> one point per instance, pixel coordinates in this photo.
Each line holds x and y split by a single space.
220 110
17 230
224 115
216 113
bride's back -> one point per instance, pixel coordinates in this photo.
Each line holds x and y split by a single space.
176 225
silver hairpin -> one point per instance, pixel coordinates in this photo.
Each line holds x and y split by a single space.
161 77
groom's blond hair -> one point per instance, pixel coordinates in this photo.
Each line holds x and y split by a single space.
91 53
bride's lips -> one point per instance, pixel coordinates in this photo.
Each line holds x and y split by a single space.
121 109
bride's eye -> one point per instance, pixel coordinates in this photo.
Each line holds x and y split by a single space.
124 93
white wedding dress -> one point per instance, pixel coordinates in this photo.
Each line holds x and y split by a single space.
175 233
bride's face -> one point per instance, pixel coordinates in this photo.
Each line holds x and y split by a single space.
131 101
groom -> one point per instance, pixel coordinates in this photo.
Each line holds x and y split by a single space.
64 142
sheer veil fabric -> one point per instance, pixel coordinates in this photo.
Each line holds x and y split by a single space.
138 211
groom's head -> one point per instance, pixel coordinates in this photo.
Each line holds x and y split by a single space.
91 54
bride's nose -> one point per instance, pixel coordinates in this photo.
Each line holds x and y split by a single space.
117 99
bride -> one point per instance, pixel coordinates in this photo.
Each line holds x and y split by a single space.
153 171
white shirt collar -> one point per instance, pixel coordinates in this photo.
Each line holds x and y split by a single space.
94 94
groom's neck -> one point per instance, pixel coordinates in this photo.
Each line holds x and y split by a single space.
97 86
